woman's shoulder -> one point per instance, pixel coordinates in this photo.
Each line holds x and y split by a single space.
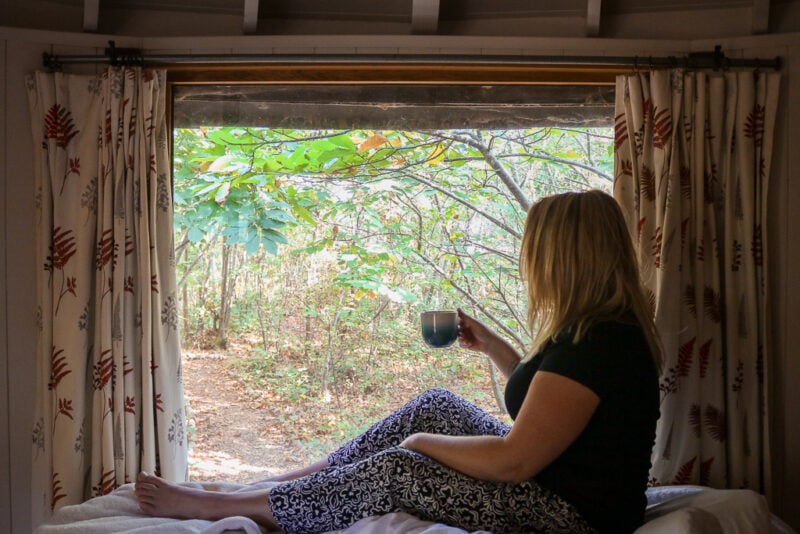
607 339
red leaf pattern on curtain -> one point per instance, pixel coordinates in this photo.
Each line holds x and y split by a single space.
686 182
689 299
57 491
620 131
704 353
714 420
106 485
656 241
102 371
712 305
710 184
688 131
59 125
639 227
159 404
626 168
106 250
63 248
651 300
107 131
59 368
685 473
736 256
127 368
74 166
700 252
685 353
662 127
754 125
738 378
130 405
65 407
696 419
757 248
647 183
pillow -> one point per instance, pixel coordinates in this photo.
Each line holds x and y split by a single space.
685 520
737 511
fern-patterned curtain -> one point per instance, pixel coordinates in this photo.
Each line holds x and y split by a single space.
692 165
110 395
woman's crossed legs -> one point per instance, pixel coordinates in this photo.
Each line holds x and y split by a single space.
370 475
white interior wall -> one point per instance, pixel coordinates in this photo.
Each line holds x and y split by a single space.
17 312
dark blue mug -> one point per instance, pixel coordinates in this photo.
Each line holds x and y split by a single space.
439 328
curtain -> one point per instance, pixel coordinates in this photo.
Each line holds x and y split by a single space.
692 165
110 393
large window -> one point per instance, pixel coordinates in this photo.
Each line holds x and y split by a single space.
315 222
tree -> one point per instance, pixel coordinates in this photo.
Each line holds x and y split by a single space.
429 218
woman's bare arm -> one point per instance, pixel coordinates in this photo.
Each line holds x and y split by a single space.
555 411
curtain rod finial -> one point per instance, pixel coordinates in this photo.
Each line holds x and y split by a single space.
51 62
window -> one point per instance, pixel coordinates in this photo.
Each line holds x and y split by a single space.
352 208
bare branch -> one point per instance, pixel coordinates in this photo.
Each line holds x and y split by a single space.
472 207
495 164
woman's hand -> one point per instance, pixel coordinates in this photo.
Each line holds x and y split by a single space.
473 334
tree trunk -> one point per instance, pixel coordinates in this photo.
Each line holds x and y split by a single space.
499 397
326 365
226 294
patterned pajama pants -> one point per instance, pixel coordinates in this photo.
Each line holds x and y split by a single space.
371 475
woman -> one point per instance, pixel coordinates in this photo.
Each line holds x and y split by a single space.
584 403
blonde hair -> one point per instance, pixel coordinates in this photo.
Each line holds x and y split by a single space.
580 266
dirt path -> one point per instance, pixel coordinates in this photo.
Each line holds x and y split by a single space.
234 438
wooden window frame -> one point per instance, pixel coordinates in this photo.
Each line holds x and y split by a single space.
397 73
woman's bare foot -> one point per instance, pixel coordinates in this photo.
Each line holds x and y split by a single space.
157 497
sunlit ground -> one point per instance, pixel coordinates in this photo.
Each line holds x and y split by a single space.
218 465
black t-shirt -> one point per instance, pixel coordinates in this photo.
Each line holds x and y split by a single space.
604 472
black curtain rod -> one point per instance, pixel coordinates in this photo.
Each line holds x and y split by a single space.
132 56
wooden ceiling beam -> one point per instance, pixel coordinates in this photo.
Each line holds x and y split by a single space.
91 15
593 18
425 16
250 19
760 16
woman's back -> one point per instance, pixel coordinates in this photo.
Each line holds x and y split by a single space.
604 471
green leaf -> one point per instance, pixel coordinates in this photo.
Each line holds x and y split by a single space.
304 214
195 234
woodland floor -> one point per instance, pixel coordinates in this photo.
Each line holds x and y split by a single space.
236 437
240 434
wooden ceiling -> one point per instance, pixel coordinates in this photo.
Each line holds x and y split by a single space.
388 16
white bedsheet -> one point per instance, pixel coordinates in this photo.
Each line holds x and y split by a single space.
118 512
671 509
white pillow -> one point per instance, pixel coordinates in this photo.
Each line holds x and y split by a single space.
737 511
684 520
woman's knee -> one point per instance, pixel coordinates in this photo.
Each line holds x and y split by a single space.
438 395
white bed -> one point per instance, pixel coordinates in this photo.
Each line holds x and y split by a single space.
671 509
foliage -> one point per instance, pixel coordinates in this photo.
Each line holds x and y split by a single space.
335 240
